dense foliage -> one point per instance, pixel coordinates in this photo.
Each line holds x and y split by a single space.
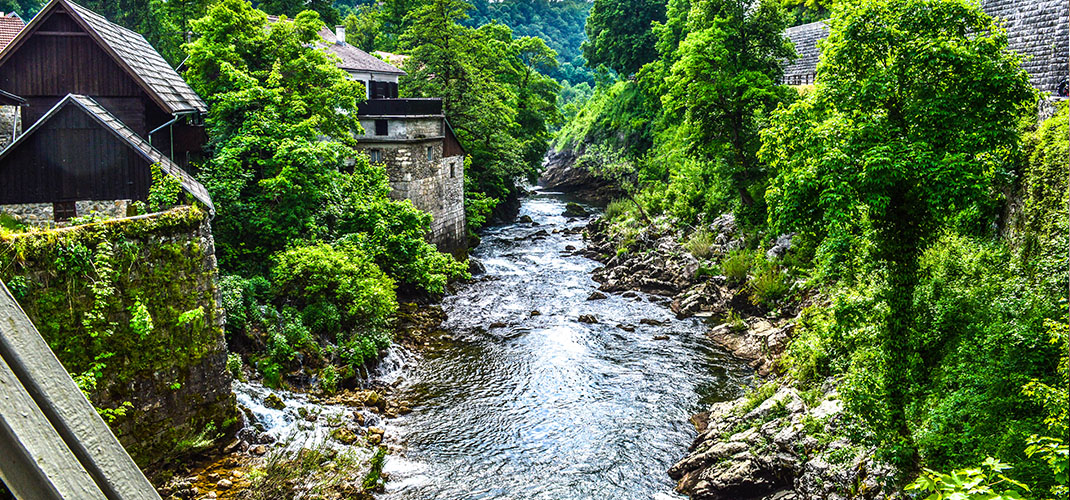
619 36
937 297
307 227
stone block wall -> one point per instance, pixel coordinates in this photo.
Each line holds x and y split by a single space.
165 391
404 128
10 118
41 214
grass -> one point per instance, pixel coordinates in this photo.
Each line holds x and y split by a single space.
736 267
756 396
769 286
700 244
317 472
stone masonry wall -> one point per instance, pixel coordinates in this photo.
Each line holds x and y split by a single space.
1038 30
166 391
9 118
40 214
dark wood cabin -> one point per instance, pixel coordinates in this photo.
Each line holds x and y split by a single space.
79 151
68 49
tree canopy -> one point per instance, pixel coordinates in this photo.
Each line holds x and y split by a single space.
619 36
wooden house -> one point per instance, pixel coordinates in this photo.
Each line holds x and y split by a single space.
80 157
68 49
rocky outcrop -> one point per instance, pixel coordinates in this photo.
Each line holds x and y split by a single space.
781 447
562 174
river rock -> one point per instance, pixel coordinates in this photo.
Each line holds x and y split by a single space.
274 401
475 267
525 219
597 296
224 484
587 318
575 210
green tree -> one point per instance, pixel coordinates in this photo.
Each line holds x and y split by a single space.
25 8
724 84
619 35
364 29
910 130
291 8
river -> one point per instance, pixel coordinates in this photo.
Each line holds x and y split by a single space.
547 406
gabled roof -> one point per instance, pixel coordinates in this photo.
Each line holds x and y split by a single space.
10 26
129 49
354 59
126 135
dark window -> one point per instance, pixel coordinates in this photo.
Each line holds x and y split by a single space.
381 127
430 153
63 211
452 173
375 155
394 90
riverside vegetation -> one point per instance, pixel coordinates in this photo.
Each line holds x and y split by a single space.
904 218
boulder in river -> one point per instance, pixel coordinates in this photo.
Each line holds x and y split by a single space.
597 296
575 210
587 318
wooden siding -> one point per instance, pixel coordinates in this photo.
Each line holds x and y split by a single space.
72 157
452 146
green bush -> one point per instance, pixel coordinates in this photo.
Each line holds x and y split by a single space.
769 285
737 265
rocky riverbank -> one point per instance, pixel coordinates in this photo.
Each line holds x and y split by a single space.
776 442
561 174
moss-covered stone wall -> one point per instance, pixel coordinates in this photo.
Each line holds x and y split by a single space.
131 308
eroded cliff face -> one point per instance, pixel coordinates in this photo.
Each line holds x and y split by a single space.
131 308
561 174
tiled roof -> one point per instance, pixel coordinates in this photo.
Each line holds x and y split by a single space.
354 59
124 133
9 27
147 64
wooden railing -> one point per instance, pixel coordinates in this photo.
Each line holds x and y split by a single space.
55 445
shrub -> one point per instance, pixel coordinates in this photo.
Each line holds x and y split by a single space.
616 209
769 285
737 265
700 244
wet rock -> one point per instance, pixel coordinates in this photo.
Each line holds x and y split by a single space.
524 219
661 337
597 296
498 324
575 210
535 313
475 267
587 318
344 435
627 328
274 401
652 322
570 248
258 450
224 484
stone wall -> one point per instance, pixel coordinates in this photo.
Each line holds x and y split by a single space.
1036 29
41 214
165 390
9 118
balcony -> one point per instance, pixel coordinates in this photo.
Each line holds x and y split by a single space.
400 107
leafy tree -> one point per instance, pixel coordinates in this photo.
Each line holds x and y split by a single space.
364 29
166 25
618 33
291 8
723 85
911 128
25 8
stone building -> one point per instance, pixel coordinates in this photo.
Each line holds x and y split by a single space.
1038 30
413 139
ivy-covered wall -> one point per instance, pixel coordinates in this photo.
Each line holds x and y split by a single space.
131 308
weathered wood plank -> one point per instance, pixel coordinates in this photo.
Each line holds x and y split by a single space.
36 463
64 405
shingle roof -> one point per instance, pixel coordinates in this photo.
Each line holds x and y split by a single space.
354 59
9 27
805 39
124 133
147 64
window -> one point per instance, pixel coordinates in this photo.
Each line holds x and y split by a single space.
375 156
63 211
382 127
430 153
452 173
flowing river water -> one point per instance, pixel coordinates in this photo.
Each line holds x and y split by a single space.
529 402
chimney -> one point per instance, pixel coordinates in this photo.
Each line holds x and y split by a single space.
340 33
